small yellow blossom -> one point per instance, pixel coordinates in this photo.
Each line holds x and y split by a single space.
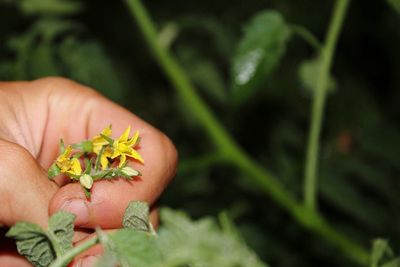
98 141
124 146
67 164
107 153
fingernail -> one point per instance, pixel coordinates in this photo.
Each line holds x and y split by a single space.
88 261
79 208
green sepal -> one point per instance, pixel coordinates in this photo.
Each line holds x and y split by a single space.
98 159
77 155
88 163
62 146
53 171
87 192
85 146
108 139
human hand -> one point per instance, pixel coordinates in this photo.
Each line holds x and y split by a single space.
34 116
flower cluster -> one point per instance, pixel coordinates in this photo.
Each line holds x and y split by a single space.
102 157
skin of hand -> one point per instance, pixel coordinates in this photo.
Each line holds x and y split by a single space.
33 117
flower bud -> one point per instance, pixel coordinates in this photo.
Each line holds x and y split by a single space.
128 171
86 181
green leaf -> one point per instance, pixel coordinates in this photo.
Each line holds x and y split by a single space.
309 73
108 259
137 216
61 225
381 252
258 53
200 243
135 249
395 4
33 243
227 226
204 73
392 263
49 7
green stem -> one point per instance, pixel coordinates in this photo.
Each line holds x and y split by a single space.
307 36
318 104
65 259
308 218
55 243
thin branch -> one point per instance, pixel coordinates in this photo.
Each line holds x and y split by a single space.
318 104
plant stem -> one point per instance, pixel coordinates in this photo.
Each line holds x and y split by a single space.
308 218
307 36
65 259
318 104
55 244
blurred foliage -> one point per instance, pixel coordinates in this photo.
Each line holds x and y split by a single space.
97 43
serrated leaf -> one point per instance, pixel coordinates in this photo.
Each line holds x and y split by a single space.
308 74
32 242
381 252
200 243
61 224
258 53
136 216
395 4
135 249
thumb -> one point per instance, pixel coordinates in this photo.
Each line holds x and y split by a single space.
25 190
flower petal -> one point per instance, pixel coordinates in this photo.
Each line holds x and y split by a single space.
134 154
107 131
122 160
125 135
104 162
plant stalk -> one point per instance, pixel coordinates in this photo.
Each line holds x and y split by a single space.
65 259
318 104
309 219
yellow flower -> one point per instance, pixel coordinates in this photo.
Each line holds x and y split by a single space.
98 141
107 153
67 164
123 146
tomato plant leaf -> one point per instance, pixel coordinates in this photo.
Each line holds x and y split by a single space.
33 243
258 53
135 248
381 253
61 225
137 216
201 243
49 7
308 74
